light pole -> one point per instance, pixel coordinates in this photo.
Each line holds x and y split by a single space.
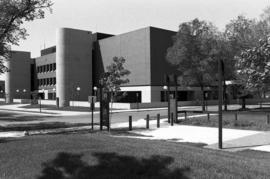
93 107
40 100
95 90
78 92
165 87
24 93
54 93
18 94
2 92
137 100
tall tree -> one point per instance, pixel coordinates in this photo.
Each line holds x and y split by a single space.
13 13
193 51
113 78
254 67
244 36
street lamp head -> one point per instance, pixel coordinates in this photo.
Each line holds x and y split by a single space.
24 90
1 91
78 88
95 88
165 87
17 91
54 89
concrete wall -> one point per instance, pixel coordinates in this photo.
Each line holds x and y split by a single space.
161 40
135 48
44 60
19 76
74 65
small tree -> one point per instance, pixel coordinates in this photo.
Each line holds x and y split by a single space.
113 78
13 13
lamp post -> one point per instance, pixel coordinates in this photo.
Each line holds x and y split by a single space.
2 92
24 93
40 100
18 94
167 93
78 91
95 90
54 93
137 100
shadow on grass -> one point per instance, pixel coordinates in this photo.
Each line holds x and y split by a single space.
40 126
110 165
15 117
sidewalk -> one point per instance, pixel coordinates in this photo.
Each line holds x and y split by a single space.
233 139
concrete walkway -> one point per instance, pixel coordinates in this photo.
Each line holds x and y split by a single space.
233 139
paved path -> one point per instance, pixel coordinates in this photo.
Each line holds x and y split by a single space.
233 139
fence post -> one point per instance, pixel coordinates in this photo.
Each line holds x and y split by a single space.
130 123
208 116
147 121
158 120
235 116
172 119
268 118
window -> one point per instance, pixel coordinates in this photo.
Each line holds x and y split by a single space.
54 66
51 67
54 81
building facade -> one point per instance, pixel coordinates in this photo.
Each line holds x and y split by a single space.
73 67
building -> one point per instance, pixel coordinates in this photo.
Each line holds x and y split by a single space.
73 67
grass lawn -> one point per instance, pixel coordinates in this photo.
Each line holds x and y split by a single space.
245 120
99 155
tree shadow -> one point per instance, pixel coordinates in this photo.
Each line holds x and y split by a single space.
15 117
110 165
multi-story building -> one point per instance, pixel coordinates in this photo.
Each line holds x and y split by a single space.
73 67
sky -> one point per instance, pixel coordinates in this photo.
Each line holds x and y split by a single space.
120 16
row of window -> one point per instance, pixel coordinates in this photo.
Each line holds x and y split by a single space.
46 68
46 81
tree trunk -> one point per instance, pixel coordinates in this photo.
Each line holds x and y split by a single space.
203 101
225 96
260 97
110 116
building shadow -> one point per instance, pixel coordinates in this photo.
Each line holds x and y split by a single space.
110 165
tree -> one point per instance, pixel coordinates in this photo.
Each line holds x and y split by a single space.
113 78
13 13
254 67
193 52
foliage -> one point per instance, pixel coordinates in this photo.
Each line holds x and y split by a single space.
244 36
193 51
254 66
113 78
13 13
